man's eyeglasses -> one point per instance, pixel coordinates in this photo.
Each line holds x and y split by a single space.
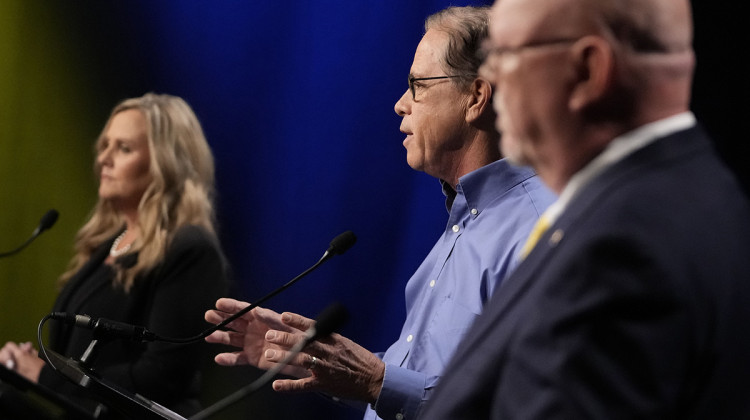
413 79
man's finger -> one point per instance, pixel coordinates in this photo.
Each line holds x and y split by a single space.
297 321
283 339
231 359
231 306
271 318
219 337
295 385
215 317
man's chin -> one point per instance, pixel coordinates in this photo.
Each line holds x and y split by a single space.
414 164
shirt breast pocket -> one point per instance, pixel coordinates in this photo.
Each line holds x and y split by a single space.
449 325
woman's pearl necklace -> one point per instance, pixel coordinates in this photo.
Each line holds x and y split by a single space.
113 251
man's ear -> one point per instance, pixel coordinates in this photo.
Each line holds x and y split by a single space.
479 101
595 66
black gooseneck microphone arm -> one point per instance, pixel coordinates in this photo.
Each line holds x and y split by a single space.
104 328
45 223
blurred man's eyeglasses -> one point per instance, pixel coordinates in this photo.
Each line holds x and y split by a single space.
490 54
413 79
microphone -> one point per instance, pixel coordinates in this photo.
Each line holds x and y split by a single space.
333 317
45 223
341 243
107 328
104 328
329 320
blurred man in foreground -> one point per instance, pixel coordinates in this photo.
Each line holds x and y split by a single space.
634 302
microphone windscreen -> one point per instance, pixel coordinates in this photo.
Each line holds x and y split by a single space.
48 219
342 243
333 317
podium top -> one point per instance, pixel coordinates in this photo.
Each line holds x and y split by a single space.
131 404
23 399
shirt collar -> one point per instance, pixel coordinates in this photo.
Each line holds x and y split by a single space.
620 147
482 186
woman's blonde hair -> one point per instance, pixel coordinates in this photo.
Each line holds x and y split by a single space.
181 191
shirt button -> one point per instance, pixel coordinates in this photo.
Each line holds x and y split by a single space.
474 212
432 283
455 228
409 338
399 416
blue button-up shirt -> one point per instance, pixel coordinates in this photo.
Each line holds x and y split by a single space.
491 212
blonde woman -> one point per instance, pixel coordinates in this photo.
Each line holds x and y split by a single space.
148 256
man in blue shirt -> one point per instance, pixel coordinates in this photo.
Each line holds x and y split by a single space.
449 125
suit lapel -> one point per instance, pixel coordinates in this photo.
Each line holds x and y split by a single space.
63 300
97 258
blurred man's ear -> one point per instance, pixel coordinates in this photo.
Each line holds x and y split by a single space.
594 61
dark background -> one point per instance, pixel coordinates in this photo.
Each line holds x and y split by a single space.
296 99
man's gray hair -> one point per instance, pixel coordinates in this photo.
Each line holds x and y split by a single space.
466 27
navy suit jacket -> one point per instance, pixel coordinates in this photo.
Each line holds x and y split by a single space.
635 304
